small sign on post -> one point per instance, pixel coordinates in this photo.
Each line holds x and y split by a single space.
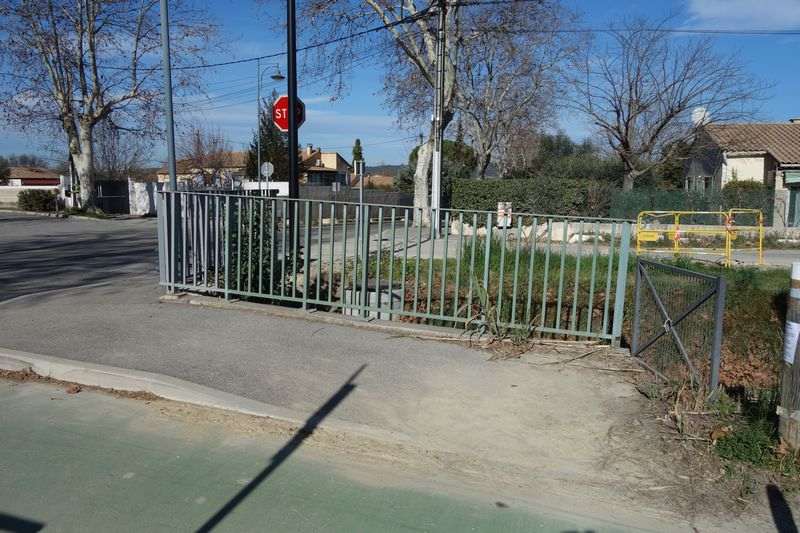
267 169
504 214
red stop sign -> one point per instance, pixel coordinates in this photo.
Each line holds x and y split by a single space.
280 112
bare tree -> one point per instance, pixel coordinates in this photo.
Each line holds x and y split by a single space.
119 154
76 64
508 76
641 90
204 152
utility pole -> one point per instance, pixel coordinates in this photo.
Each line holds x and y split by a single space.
789 409
258 127
291 72
167 66
438 118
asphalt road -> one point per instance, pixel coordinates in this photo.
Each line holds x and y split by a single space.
43 253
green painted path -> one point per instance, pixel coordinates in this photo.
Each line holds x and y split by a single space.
92 462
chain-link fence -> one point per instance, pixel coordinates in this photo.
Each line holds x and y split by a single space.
677 323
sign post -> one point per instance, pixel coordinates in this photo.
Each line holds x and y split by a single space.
266 170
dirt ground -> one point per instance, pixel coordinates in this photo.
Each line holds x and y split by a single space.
579 435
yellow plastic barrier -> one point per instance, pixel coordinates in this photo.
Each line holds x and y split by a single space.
669 232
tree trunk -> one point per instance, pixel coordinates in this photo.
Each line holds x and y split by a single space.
424 160
84 166
482 163
627 180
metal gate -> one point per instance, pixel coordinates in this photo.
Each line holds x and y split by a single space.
677 322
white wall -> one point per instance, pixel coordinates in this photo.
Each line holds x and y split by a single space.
9 195
742 169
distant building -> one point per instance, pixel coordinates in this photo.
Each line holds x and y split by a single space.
32 176
766 153
375 181
223 169
318 167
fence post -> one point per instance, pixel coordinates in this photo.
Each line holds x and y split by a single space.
622 278
227 245
637 306
364 295
716 346
789 421
161 213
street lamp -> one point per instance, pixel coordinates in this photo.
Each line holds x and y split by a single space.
277 76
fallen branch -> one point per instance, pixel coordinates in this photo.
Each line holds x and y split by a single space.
567 361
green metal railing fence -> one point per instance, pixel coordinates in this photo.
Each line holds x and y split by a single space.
550 275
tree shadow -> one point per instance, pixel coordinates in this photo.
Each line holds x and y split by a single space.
781 512
281 455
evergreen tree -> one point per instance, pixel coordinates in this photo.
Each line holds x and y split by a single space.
5 171
358 152
274 146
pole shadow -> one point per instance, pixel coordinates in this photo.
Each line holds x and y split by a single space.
281 455
15 524
781 512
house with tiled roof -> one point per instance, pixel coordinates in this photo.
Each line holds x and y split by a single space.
318 167
32 176
227 165
767 153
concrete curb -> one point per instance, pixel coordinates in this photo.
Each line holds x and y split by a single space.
174 389
62 215
384 326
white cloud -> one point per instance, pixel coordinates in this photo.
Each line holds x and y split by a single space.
744 14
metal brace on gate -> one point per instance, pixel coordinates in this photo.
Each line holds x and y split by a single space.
670 323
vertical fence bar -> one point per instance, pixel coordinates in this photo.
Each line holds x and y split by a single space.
531 264
459 252
546 274
273 244
205 240
405 261
227 280
284 255
319 250
487 251
443 281
593 279
355 296
331 269
607 298
622 278
344 258
418 221
306 250
391 262
472 253
183 206
365 261
295 207
173 249
432 235
716 346
217 240
249 203
193 237
502 276
378 260
261 245
238 243
559 297
637 306
573 323
516 272
163 243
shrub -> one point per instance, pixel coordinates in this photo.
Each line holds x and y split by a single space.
544 195
37 200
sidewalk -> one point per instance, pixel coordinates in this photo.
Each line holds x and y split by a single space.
93 462
557 435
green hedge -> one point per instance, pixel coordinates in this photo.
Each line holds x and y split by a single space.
534 195
629 204
37 200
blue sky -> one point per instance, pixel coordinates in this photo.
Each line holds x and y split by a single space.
360 112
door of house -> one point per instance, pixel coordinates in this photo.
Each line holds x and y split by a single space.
792 182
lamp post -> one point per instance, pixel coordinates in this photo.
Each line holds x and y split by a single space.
166 64
277 76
